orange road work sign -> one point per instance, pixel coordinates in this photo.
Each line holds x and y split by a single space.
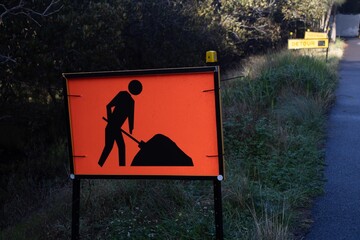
145 123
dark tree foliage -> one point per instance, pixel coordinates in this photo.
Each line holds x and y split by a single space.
98 35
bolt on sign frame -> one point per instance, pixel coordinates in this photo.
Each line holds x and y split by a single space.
157 123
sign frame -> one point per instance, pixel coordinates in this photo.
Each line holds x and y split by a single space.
147 72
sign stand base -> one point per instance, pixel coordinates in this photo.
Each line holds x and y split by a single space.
218 210
75 224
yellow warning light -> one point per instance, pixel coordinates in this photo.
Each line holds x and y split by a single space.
211 57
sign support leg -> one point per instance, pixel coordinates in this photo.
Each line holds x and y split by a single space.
218 210
75 224
327 54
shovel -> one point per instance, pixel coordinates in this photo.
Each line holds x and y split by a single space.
140 143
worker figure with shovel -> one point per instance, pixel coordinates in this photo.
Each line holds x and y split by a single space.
120 108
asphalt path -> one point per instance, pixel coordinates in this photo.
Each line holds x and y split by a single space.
337 214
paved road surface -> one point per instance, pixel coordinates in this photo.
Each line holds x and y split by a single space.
337 213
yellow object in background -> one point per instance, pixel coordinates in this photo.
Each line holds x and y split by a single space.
211 57
315 35
308 43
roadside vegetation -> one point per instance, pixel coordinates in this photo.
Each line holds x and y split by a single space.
274 111
275 130
274 127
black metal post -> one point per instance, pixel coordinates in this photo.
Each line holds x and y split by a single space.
75 224
327 53
218 210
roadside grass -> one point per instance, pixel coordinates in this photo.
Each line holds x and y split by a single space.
274 130
274 123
